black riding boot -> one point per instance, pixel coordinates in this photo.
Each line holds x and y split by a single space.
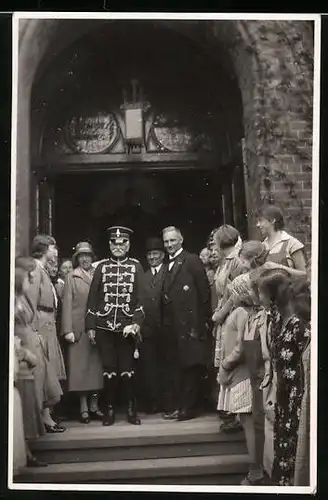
110 385
129 392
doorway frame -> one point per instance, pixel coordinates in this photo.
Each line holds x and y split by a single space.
128 162
45 171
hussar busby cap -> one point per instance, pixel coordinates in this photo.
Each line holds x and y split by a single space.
119 234
154 244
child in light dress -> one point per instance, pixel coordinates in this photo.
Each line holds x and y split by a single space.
241 372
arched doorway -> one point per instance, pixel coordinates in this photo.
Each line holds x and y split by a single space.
262 57
187 168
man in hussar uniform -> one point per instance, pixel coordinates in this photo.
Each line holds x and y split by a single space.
114 319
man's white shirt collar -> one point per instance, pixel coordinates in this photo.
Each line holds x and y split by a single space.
157 269
176 254
172 257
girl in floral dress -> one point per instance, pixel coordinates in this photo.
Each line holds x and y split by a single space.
302 304
289 337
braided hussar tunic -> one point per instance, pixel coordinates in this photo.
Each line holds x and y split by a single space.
115 297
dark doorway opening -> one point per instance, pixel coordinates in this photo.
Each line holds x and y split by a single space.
86 204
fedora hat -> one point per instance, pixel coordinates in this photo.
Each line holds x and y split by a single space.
81 247
154 244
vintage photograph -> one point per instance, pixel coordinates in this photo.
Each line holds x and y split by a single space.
165 176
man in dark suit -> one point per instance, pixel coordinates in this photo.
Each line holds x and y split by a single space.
148 363
187 326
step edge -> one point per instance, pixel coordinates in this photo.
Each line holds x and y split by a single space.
146 456
110 442
218 467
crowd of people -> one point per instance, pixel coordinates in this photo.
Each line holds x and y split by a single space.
227 330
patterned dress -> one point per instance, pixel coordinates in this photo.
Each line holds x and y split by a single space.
287 348
302 462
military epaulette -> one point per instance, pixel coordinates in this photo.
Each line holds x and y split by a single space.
134 260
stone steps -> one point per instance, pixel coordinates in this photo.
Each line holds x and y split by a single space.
157 451
143 471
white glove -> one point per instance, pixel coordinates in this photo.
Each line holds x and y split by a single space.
128 330
92 336
70 337
136 329
131 330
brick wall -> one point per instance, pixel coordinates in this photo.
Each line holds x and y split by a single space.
287 88
274 64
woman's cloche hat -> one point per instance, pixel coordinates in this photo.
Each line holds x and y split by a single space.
82 247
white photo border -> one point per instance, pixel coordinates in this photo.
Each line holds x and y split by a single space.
316 18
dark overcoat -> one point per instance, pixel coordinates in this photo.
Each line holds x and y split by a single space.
153 286
186 294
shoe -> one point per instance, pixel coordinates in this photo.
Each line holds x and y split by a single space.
231 427
173 415
85 418
132 416
54 428
96 415
34 462
185 415
247 481
151 410
109 417
58 418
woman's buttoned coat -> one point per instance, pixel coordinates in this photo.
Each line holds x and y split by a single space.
84 365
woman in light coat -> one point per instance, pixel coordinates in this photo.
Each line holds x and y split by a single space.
25 344
42 298
84 367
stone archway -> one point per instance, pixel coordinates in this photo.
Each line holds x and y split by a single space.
273 63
